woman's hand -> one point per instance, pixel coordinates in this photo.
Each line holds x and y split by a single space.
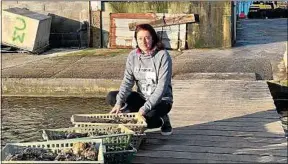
115 109
142 111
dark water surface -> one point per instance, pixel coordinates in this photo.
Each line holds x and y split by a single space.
23 118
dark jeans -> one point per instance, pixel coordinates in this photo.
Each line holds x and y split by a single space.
135 102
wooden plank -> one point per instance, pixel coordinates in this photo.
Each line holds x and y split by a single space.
250 120
124 33
166 22
209 156
230 123
176 160
274 127
124 42
208 143
124 23
225 133
227 117
219 128
182 37
212 137
172 36
229 107
172 31
281 152
133 15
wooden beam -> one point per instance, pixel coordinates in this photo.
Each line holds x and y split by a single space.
188 18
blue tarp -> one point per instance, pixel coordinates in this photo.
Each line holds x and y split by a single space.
242 6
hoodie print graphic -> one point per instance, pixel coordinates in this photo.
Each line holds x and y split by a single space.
147 80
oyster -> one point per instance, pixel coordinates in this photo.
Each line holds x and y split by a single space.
78 148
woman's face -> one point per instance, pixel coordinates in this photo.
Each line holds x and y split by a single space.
144 40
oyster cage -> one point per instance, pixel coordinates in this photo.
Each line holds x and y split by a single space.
52 147
137 140
120 156
111 135
133 121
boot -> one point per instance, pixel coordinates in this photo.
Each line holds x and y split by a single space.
166 128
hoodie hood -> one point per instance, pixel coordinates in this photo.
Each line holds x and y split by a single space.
141 54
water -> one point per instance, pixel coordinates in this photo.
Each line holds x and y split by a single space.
23 118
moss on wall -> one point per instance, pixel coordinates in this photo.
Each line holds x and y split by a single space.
210 24
138 7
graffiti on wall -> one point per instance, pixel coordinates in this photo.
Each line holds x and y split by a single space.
19 33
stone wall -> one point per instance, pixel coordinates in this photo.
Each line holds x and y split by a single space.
66 19
214 28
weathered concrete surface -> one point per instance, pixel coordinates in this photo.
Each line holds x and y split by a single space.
222 121
10 60
63 87
223 61
190 61
265 35
223 76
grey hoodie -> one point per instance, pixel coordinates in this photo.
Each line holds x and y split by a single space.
152 74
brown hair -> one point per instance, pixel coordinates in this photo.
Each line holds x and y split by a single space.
155 40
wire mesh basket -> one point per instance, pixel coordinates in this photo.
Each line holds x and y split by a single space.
120 156
137 140
112 135
133 121
56 147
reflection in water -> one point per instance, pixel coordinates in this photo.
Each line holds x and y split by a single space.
24 117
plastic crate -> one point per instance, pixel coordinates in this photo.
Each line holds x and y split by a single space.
54 146
137 140
121 156
86 120
111 140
